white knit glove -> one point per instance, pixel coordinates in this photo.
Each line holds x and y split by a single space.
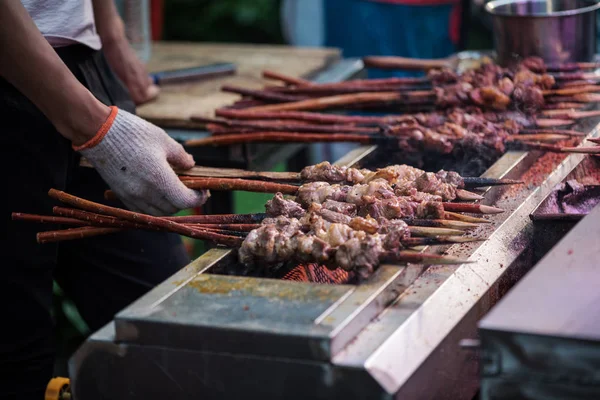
133 157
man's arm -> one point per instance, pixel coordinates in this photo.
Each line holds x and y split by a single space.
132 155
119 53
29 63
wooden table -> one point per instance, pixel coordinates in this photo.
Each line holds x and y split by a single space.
177 102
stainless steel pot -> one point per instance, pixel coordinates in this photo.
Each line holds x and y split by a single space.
559 31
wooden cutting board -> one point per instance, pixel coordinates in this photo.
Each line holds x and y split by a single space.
177 102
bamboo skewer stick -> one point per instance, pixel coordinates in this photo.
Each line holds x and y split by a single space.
437 241
545 137
569 91
290 80
440 223
471 208
404 63
462 194
420 258
262 94
278 137
141 218
594 140
219 219
48 219
73 234
558 106
571 114
576 98
228 184
298 137
553 122
474 181
210 172
565 149
567 132
464 218
433 232
239 184
319 118
284 126
323 103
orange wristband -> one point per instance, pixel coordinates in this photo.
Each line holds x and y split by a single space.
101 132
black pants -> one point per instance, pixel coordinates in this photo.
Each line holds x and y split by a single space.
101 275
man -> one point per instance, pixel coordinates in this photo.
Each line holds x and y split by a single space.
60 100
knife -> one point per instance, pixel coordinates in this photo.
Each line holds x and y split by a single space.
193 73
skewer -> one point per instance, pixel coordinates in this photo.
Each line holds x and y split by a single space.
298 137
239 184
465 195
323 103
567 132
47 219
541 137
558 106
219 219
263 187
141 218
319 118
559 149
228 184
471 208
73 234
571 114
594 140
286 126
262 94
473 182
404 63
436 241
440 223
290 80
465 218
277 137
433 232
420 258
576 98
210 172
569 91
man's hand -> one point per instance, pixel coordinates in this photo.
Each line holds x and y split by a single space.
133 157
121 57
130 69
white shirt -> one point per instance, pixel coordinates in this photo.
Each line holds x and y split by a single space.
65 22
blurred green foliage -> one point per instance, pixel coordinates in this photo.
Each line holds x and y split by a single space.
242 21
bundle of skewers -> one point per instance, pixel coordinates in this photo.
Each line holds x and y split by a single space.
481 110
523 87
341 223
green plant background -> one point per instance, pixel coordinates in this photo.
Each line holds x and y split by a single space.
245 21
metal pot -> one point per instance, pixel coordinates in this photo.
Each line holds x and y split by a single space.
559 31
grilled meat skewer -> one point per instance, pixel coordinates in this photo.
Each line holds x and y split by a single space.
312 239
